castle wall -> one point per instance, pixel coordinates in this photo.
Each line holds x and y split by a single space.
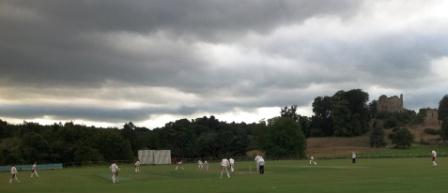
431 117
390 104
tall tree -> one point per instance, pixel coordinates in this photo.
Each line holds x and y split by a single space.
377 135
443 108
3 127
305 125
128 132
344 114
303 121
373 109
289 112
341 117
351 112
444 132
322 120
284 139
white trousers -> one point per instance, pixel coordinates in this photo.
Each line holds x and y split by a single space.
12 178
34 173
434 163
225 169
114 178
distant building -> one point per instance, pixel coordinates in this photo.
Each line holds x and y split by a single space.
390 104
431 116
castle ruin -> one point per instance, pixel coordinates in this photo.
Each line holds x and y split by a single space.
393 104
431 116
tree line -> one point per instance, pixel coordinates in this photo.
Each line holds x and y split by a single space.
346 113
204 137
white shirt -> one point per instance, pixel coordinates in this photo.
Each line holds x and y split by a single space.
232 161
114 168
13 170
137 164
434 153
353 155
312 158
257 158
225 162
34 166
260 161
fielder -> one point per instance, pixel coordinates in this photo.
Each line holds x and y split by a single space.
137 166
434 157
206 165
260 164
13 174
114 169
353 157
256 161
312 161
232 164
179 165
34 170
224 165
200 164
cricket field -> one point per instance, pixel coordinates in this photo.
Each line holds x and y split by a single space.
403 175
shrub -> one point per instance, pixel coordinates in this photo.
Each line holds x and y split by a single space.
431 131
391 122
377 137
402 138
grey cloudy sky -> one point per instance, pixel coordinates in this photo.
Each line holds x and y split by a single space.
106 62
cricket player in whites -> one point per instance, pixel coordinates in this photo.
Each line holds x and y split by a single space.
257 158
137 166
179 165
224 165
353 157
232 164
312 162
13 174
206 165
434 157
34 170
260 164
200 164
114 169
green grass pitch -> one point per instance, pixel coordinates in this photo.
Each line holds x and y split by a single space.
407 175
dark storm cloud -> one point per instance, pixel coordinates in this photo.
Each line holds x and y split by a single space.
52 48
194 17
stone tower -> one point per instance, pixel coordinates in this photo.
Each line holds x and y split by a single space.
431 117
401 101
393 104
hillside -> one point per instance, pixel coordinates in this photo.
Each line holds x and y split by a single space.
327 147
330 147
